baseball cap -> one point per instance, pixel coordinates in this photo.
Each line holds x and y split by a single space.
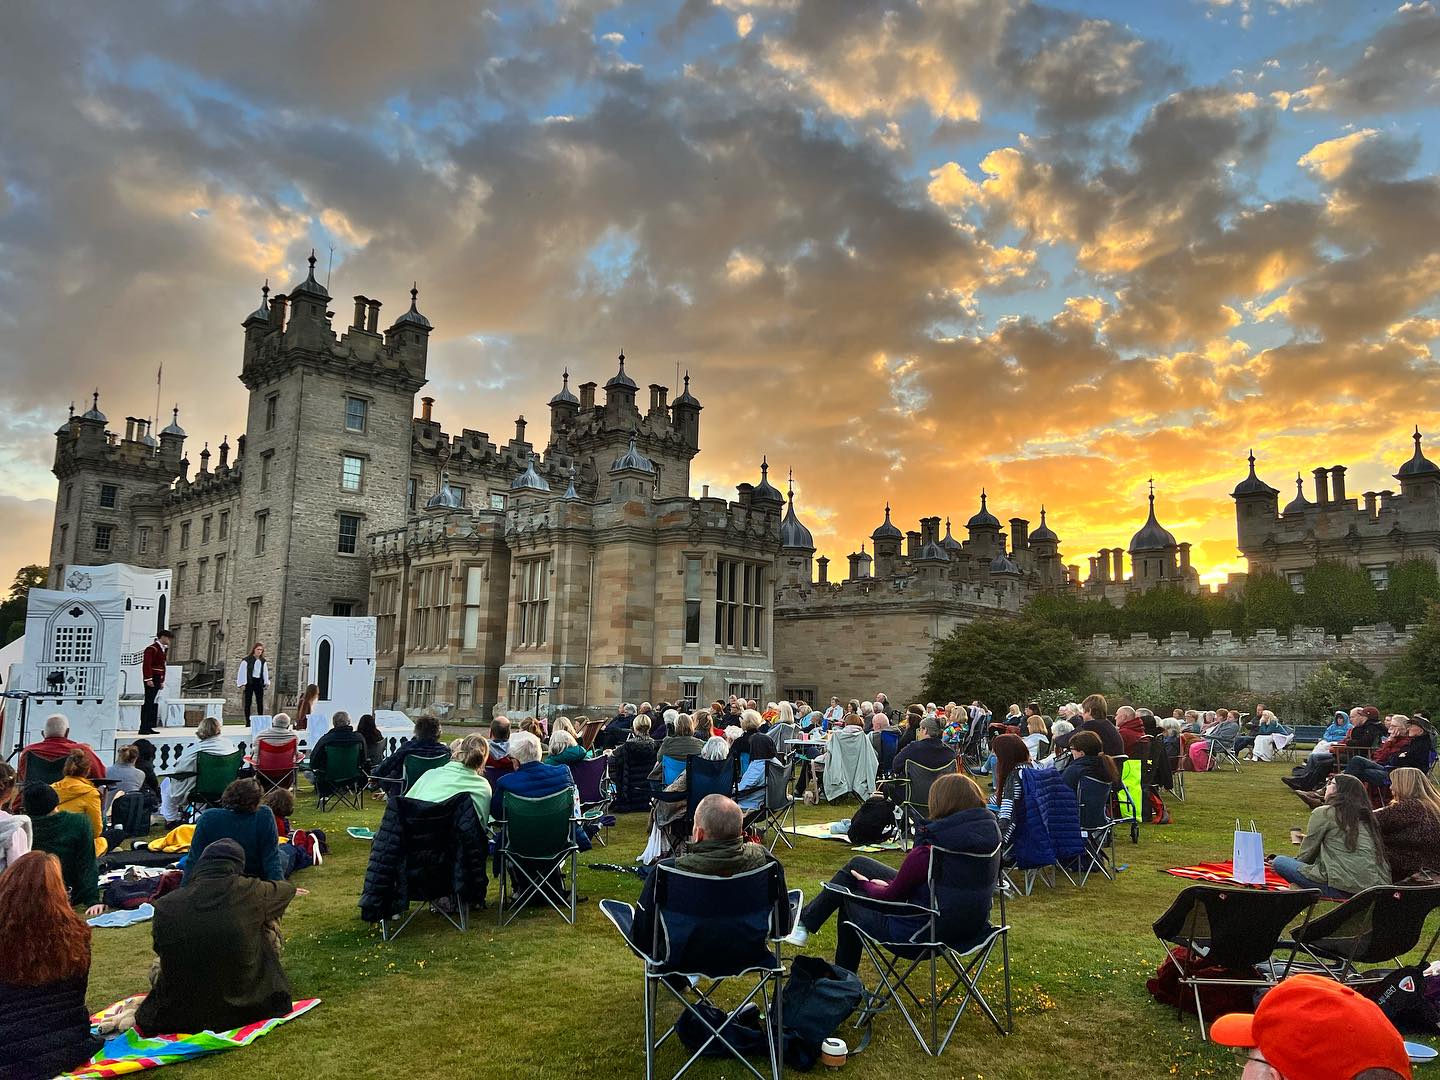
1293 1024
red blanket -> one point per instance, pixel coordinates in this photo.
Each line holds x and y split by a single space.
1223 873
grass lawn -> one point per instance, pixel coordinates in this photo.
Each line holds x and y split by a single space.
541 997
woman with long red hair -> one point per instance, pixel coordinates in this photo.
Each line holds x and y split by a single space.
44 970
1011 755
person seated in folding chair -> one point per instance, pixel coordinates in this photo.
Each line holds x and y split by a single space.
281 729
426 742
630 768
1263 744
464 772
1409 746
717 848
240 818
1410 824
958 820
927 749
1011 755
1342 852
533 779
217 943
668 814
53 749
340 734
1399 748
750 792
176 789
1087 759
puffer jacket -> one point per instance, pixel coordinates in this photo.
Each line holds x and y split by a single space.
1048 829
630 769
424 851
45 1030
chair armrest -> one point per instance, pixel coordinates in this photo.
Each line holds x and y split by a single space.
889 907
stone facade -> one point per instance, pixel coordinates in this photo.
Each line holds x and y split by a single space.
1266 660
1375 533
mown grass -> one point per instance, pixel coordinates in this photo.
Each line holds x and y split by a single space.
541 997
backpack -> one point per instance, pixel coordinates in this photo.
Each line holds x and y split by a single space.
818 998
873 823
1402 997
1158 815
1218 999
743 1031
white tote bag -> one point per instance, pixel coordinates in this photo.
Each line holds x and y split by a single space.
1249 856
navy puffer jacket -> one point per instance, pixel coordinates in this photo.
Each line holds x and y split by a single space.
423 851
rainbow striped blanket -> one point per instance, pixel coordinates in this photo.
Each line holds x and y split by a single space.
129 1052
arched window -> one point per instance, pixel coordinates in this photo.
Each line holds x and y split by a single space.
322 664
160 615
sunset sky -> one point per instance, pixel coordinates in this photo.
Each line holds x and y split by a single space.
909 250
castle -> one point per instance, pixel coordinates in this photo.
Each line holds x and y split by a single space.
573 574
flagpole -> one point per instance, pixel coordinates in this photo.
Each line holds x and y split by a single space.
155 420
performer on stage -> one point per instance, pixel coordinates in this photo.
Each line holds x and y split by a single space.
152 671
253 677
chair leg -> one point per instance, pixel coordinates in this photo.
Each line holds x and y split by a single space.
649 1028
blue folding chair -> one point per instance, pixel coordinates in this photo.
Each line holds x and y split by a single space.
954 927
671 769
703 932
1097 828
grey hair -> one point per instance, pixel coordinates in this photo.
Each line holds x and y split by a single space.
931 727
207 728
671 715
1061 727
719 816
524 747
56 726
717 748
561 740
1171 725
281 721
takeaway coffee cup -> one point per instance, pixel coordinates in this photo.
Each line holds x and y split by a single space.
1296 835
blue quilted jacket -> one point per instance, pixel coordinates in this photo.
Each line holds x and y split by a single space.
1047 830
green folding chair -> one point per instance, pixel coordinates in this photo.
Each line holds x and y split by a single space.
43 771
537 839
341 777
213 774
417 766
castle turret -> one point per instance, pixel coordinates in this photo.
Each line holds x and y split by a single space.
1154 554
797 546
685 416
408 339
984 530
564 407
886 538
620 396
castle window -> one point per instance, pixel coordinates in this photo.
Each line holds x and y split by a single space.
205 524
1379 577
212 646
420 692
109 496
739 605
267 462
184 535
272 408
689 694
357 411
179 582
224 524
692 600
465 693
219 573
470 631
1296 578
252 620
195 641
142 539
461 493
64 537
497 501
387 593
69 490
262 526
352 472
349 534
342 608
103 536
748 691
201 571
533 603
164 541
412 490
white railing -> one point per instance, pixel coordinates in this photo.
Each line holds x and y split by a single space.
66 680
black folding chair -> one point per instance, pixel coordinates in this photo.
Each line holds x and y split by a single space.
779 803
1097 828
537 839
705 931
1377 926
954 928
915 807
1221 752
1237 930
438 873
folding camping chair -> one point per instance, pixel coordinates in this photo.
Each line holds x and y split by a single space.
1221 750
706 931
597 791
1234 929
1377 926
417 765
213 774
915 807
779 801
1177 774
702 777
537 839
1127 811
1097 828
956 930
434 864
274 762
43 770
340 777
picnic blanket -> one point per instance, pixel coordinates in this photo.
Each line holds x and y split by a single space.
129 1052
822 832
1223 873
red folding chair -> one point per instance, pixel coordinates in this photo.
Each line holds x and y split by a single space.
274 762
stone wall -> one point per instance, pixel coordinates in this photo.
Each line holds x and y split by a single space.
1266 660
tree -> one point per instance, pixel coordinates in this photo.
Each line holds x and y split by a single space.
1083 618
1412 681
998 661
1269 604
1337 684
1223 611
1161 611
12 610
1414 585
1338 597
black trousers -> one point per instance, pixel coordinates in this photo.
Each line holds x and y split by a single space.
1368 771
826 903
254 699
150 712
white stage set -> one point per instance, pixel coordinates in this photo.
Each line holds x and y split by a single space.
82 651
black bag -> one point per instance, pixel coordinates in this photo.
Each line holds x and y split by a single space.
743 1032
818 998
873 823
1401 997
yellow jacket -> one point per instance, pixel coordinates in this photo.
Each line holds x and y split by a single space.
176 840
79 796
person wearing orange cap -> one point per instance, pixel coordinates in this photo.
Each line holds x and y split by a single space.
1312 1028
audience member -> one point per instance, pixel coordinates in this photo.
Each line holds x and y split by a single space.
44 973
1410 824
1097 720
69 838
959 820
340 734
464 772
295 852
57 745
426 742
1342 852
750 722
1037 736
15 835
681 742
281 729
533 779
176 789
218 948
79 796
1130 727
751 789
240 818
564 750
374 742
1088 760
926 749
127 778
1011 755
1408 746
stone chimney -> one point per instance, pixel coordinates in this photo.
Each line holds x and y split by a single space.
1337 483
1370 500
823 565
854 565
1094 568
372 317
357 322
129 429
427 406
1322 495
277 309
1185 556
659 406
587 397
913 540
1019 534
1119 555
